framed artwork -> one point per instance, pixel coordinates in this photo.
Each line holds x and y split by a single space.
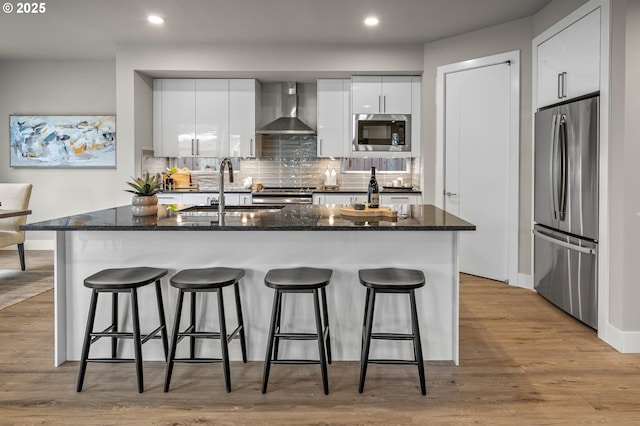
62 141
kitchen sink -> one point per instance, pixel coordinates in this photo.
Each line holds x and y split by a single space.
206 210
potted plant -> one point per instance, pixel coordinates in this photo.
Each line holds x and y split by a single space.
144 201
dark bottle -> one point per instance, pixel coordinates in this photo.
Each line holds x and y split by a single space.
373 194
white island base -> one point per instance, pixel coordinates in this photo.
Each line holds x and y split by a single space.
82 253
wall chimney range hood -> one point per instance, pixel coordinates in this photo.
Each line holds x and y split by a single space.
288 123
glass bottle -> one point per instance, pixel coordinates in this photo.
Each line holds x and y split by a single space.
373 193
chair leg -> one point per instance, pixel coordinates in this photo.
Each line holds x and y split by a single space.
321 347
364 360
325 316
270 338
243 343
87 339
21 255
174 341
137 340
114 322
416 341
163 321
364 316
224 341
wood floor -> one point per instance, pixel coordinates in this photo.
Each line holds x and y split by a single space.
522 362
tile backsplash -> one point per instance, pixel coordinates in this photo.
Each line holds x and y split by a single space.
288 160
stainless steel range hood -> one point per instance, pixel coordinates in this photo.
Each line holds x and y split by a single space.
288 123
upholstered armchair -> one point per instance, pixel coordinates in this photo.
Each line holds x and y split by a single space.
14 196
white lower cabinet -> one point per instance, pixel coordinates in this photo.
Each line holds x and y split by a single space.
342 199
203 198
169 198
387 199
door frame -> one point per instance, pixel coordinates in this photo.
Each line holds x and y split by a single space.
513 60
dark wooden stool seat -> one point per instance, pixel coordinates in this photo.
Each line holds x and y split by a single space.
391 280
122 280
206 280
299 280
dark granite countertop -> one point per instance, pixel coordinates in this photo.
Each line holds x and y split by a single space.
293 217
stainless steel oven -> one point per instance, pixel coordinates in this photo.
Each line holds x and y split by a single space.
283 195
381 132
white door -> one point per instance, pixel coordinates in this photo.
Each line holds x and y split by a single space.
477 144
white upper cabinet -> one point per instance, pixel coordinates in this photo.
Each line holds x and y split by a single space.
381 94
174 111
244 104
212 118
568 63
204 117
190 117
333 135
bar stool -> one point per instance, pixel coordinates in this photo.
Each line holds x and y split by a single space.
206 280
299 280
390 280
114 281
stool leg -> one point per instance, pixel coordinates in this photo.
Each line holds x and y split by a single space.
270 338
325 316
321 348
277 329
243 344
417 345
137 340
87 339
163 321
192 316
174 341
364 360
224 341
114 322
364 317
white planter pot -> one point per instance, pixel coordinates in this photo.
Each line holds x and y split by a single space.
144 205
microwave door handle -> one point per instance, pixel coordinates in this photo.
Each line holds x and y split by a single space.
564 166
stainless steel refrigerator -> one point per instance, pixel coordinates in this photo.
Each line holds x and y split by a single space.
566 207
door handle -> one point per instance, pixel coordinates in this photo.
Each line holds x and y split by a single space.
449 194
564 166
564 244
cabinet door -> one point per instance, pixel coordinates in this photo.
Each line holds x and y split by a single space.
174 117
332 117
569 62
396 94
366 94
246 198
196 198
212 118
169 198
387 199
242 117
416 96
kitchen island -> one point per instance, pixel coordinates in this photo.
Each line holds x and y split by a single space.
258 239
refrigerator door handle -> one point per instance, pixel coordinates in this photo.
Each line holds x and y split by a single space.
564 166
552 166
564 244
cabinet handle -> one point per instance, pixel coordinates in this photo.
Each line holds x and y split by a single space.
192 148
320 147
384 103
380 103
197 146
560 86
251 147
564 84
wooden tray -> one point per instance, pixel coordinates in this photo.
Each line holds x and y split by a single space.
381 211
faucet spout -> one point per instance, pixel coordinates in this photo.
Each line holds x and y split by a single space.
226 162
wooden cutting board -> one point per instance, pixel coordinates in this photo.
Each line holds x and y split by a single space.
381 211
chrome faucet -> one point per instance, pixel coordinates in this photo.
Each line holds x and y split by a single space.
225 162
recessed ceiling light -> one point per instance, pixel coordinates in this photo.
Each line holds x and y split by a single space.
371 21
155 19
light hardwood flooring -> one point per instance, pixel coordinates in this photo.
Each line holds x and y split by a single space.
522 362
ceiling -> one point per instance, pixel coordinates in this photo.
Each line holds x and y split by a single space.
91 29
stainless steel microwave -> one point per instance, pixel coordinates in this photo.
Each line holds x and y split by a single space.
381 132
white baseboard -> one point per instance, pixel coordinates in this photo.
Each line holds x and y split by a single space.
525 281
626 342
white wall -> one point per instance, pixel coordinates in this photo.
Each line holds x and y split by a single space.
515 35
58 87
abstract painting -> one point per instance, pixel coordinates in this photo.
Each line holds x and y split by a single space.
62 140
